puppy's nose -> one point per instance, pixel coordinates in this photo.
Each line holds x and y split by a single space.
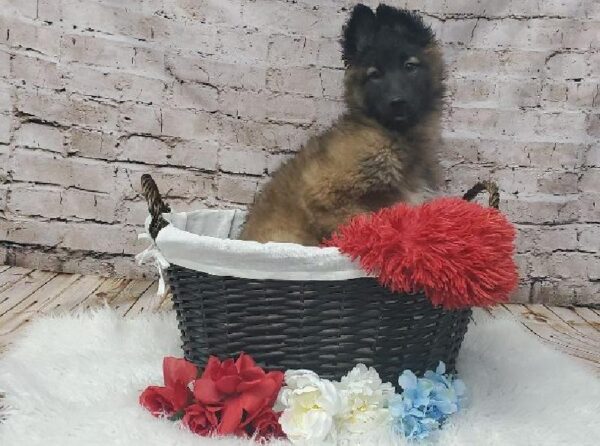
398 106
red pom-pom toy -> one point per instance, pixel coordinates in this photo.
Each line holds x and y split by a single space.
459 253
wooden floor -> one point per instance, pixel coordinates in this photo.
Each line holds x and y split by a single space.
26 294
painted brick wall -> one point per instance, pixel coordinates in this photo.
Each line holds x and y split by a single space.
211 95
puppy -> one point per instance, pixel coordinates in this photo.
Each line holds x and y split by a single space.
380 152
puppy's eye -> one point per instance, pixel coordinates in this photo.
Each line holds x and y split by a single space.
373 73
412 64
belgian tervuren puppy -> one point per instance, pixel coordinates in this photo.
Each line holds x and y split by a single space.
381 151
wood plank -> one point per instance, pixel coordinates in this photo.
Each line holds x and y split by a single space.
12 275
71 297
149 302
31 306
4 268
547 332
167 303
568 332
109 289
580 325
591 317
130 294
11 297
502 311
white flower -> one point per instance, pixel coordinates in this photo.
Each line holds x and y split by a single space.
309 405
364 400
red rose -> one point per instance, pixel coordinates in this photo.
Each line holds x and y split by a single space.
178 370
175 395
241 388
164 401
266 425
200 419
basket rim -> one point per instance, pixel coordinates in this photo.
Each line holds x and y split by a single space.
246 259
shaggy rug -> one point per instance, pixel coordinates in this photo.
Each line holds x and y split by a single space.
75 380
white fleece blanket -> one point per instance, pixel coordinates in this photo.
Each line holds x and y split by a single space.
76 381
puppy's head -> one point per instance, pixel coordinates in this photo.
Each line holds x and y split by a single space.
394 67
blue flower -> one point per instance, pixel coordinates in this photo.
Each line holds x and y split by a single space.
417 391
425 403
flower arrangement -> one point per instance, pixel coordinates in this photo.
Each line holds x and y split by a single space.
240 398
425 403
230 397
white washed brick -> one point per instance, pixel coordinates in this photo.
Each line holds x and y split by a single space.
519 93
275 160
4 64
592 125
332 82
68 111
24 8
289 18
88 205
589 207
120 19
138 118
5 126
40 136
242 161
36 72
590 180
329 53
229 12
236 189
567 66
298 51
21 34
6 98
4 168
92 144
542 209
40 167
198 154
114 85
592 156
290 109
196 96
144 149
31 201
188 124
114 239
108 51
201 69
45 233
305 81
188 36
474 91
584 94
239 46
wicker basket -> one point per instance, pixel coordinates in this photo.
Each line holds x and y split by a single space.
324 326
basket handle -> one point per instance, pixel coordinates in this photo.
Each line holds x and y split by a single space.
156 205
490 187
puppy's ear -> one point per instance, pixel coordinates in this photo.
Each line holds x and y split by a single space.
410 24
358 32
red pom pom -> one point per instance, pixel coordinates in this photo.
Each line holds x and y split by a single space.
459 253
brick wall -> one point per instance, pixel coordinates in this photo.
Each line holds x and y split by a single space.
211 95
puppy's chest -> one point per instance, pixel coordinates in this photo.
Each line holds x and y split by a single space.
386 167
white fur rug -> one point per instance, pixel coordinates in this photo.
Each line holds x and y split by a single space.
76 380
